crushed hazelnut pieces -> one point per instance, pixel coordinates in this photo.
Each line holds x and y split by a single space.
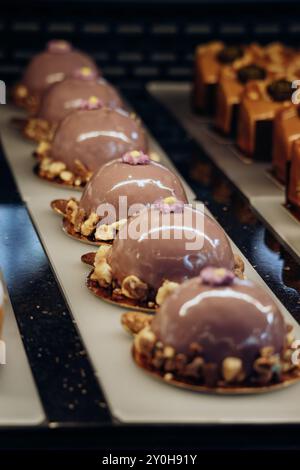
191 368
57 171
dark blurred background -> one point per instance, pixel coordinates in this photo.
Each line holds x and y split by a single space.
138 41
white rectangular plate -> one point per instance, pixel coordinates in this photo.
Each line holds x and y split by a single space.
19 400
133 397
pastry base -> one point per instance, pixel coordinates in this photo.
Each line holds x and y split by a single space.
122 301
289 379
68 229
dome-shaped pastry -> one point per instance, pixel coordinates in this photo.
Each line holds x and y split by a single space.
86 139
217 332
122 187
159 248
58 61
66 96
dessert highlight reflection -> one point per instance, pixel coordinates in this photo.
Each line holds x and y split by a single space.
66 96
157 250
216 333
58 61
86 139
118 189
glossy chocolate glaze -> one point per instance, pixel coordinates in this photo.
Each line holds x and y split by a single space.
47 68
65 96
141 184
155 260
96 136
234 320
286 131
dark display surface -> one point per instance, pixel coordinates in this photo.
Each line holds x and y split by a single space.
59 363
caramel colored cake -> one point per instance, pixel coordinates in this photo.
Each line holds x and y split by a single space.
286 131
260 103
210 59
86 139
66 96
155 251
218 333
122 187
267 62
57 62
293 189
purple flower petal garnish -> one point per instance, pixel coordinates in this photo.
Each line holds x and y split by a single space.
169 204
216 276
92 103
136 157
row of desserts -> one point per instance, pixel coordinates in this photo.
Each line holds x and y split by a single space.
249 92
212 329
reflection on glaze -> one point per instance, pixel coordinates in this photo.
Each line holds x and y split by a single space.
47 68
141 184
226 294
155 259
69 94
110 134
227 321
96 136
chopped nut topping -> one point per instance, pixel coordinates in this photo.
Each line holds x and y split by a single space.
66 176
105 232
134 288
45 164
134 322
232 369
78 220
168 352
56 168
144 341
166 289
102 274
42 148
71 210
239 267
101 253
89 225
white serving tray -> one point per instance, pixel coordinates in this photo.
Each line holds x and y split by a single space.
133 397
19 401
253 179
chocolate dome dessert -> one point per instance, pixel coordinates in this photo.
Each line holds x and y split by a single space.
156 250
217 333
122 186
66 96
86 139
57 62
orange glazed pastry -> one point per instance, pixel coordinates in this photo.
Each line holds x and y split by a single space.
209 61
286 131
266 62
260 103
